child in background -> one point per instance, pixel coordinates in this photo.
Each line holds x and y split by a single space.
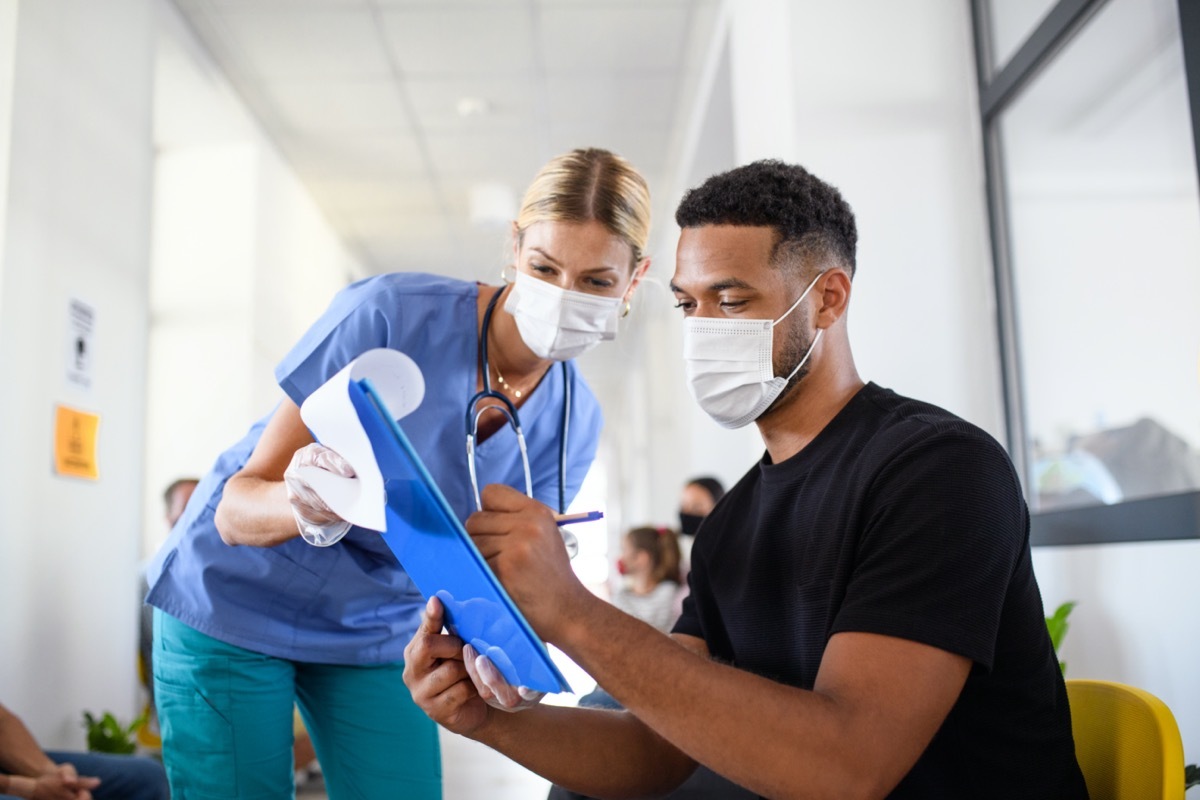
649 568
649 564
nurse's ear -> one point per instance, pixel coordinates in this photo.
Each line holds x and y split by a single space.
639 272
516 243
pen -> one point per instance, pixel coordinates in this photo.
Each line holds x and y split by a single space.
583 516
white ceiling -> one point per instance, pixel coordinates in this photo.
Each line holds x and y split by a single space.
362 97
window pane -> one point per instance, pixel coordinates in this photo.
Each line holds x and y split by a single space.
1105 235
1011 23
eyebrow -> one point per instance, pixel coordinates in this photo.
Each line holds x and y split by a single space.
719 286
555 262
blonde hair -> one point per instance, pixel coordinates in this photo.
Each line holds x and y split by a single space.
590 184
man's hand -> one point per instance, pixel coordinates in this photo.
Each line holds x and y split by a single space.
521 542
63 783
437 677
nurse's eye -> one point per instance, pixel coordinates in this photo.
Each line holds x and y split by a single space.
601 283
542 269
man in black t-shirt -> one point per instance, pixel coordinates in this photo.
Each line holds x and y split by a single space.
863 620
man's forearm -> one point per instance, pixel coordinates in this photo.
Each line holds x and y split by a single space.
738 724
596 752
19 751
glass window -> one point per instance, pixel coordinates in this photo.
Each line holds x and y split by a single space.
1011 22
1104 227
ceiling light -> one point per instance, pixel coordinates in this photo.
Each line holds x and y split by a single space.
472 107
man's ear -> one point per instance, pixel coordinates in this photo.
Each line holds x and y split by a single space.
835 288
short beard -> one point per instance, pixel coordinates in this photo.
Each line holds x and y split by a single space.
795 346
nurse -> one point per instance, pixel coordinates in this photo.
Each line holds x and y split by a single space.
243 632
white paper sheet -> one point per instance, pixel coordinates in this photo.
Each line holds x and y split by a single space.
331 417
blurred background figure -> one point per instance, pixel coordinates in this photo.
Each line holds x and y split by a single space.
28 771
696 502
650 576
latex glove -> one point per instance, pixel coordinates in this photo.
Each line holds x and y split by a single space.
493 688
318 524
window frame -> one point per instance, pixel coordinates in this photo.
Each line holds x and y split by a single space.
1164 517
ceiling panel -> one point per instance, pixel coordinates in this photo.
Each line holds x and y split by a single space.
442 41
613 100
285 42
363 97
598 38
505 156
508 103
344 106
354 157
376 196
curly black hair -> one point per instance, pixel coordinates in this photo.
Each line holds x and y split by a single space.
812 219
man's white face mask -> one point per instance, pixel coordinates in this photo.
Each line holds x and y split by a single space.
560 324
729 365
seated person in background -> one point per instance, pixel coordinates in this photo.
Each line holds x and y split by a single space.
649 582
649 567
864 620
28 772
696 502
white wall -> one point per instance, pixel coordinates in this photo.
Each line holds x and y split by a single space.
8 51
243 262
76 225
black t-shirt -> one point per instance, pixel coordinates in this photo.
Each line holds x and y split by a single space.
903 520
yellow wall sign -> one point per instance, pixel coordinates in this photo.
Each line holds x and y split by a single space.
75 442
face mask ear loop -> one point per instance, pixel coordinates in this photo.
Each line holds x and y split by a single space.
799 299
804 360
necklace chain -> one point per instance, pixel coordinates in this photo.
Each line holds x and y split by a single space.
508 387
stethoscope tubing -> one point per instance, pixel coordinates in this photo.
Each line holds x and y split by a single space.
509 409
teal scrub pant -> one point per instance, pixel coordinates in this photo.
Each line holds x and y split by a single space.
225 714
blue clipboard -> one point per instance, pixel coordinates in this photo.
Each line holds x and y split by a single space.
437 552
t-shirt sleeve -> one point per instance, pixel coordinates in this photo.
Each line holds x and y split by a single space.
354 323
945 529
689 620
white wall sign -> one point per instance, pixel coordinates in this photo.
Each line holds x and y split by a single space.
81 321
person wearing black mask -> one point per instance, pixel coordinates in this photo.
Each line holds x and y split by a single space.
697 500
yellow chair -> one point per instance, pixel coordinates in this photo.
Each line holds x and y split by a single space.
1126 741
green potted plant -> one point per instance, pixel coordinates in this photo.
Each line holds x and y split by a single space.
106 735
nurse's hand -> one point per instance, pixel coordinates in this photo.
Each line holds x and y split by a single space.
318 524
437 678
493 688
521 542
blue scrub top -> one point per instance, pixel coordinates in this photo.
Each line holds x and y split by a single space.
352 603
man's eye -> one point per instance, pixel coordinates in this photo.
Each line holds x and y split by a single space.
686 305
732 304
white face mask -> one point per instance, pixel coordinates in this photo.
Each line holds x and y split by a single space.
559 323
729 366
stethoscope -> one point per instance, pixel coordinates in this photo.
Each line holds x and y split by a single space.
509 409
